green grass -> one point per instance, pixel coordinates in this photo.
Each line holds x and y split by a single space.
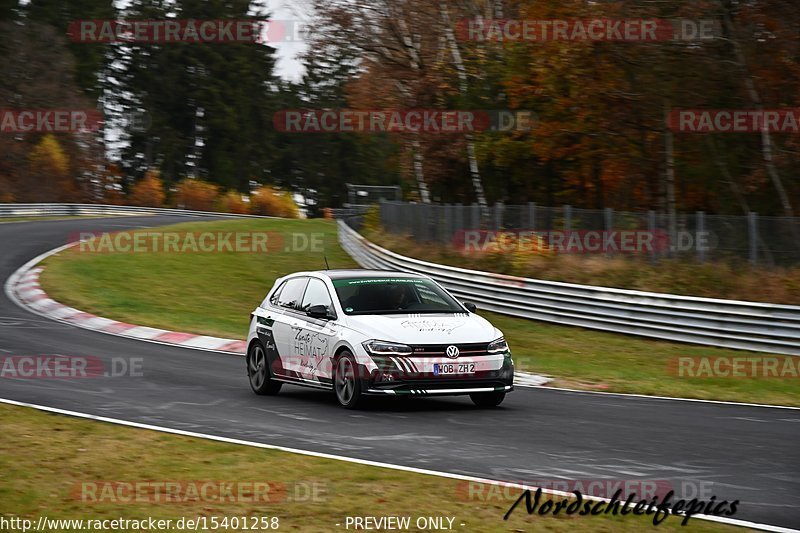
210 293
729 280
214 293
584 359
44 457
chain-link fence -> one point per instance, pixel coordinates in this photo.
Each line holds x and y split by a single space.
696 236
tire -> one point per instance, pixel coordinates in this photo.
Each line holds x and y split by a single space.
258 373
347 386
487 399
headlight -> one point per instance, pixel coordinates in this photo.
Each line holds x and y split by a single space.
498 346
386 348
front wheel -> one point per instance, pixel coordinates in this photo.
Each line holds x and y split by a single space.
258 372
346 383
487 399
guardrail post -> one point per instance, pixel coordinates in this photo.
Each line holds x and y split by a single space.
409 216
567 218
608 222
476 216
752 231
651 227
448 224
459 218
454 208
531 216
427 217
498 216
415 224
701 228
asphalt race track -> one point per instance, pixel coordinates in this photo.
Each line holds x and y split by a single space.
747 453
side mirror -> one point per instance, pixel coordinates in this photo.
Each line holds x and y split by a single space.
319 311
471 307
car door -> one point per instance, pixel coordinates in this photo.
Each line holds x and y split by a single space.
314 341
286 325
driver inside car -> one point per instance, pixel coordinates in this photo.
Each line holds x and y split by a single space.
397 296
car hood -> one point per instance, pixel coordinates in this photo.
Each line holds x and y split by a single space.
425 328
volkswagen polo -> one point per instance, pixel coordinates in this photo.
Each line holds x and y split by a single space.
362 333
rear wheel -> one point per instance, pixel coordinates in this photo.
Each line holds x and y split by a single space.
346 382
258 371
487 399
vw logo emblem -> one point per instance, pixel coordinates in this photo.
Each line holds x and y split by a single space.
452 352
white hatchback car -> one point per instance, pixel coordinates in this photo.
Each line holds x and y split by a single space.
370 332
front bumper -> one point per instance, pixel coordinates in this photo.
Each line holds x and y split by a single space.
410 390
401 378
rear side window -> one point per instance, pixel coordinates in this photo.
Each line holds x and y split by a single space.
292 293
274 298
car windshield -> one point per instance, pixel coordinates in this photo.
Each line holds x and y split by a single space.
380 296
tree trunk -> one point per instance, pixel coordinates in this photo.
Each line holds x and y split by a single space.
726 175
669 177
474 171
755 98
419 174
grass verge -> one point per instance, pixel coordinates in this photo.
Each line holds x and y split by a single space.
711 280
213 294
51 463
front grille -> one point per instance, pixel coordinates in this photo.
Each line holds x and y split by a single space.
433 385
438 350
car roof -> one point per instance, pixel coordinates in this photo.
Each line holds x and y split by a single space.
356 273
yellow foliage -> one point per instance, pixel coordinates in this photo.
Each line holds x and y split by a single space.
197 195
271 202
48 156
232 202
372 221
149 191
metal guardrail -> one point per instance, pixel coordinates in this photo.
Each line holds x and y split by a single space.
734 324
58 210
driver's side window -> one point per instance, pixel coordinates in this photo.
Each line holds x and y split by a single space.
316 294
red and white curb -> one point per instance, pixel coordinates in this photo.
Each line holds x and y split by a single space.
30 294
23 287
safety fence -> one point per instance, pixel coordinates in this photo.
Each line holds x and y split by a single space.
726 323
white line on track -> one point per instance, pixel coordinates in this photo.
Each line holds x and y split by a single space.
670 398
366 462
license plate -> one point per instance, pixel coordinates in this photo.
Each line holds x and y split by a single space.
440 369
